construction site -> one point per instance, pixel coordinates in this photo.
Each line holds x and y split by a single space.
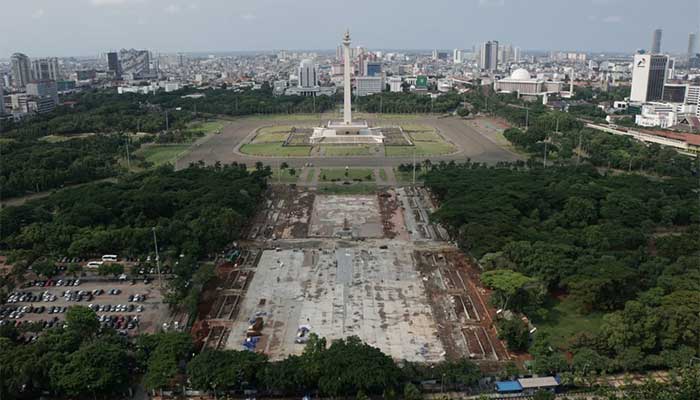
370 265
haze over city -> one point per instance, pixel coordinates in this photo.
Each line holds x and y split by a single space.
87 27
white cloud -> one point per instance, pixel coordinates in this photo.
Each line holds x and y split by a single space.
38 13
612 19
173 9
492 3
101 3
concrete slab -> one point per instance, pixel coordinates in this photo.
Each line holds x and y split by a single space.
332 213
361 290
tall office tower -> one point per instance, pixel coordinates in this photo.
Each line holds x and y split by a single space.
516 54
307 74
489 55
113 64
435 55
656 42
648 77
21 72
457 56
135 62
373 68
691 45
46 68
2 100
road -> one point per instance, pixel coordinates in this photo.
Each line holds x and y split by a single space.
224 147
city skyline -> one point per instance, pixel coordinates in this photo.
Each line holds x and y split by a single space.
221 26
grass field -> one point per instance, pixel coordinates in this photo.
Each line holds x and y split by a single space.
161 154
275 129
407 177
285 175
347 151
417 128
331 174
275 150
63 138
214 126
425 137
270 137
421 149
355 188
382 174
564 321
310 175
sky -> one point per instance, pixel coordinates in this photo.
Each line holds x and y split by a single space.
41 28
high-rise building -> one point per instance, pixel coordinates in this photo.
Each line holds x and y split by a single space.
373 68
308 76
489 55
691 45
516 54
648 77
457 56
435 55
46 68
43 89
135 62
21 72
2 100
656 42
113 64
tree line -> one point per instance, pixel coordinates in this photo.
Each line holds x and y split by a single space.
84 360
622 245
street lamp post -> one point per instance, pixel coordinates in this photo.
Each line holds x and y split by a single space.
155 244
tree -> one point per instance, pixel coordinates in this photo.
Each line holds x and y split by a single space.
463 112
98 366
161 356
514 332
44 268
284 165
82 320
411 392
508 285
220 370
74 270
111 269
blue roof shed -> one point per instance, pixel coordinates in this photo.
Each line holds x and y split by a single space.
508 387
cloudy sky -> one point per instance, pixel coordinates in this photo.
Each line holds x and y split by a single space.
88 27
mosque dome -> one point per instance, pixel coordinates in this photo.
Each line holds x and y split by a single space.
520 74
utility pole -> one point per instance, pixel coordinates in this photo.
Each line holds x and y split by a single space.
546 140
414 166
527 118
167 123
578 156
128 157
155 244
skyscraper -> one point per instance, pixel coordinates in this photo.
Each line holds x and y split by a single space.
648 77
2 100
113 64
457 56
21 73
135 62
656 42
691 45
489 55
307 74
46 68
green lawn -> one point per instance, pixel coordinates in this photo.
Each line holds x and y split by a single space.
285 175
347 151
564 321
271 137
421 149
417 128
425 137
310 175
382 174
214 126
162 154
407 177
331 174
275 149
63 138
355 188
275 129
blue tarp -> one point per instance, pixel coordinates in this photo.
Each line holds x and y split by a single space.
508 386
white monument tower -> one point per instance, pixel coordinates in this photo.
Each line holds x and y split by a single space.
347 131
347 89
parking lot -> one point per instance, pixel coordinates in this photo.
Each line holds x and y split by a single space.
128 306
